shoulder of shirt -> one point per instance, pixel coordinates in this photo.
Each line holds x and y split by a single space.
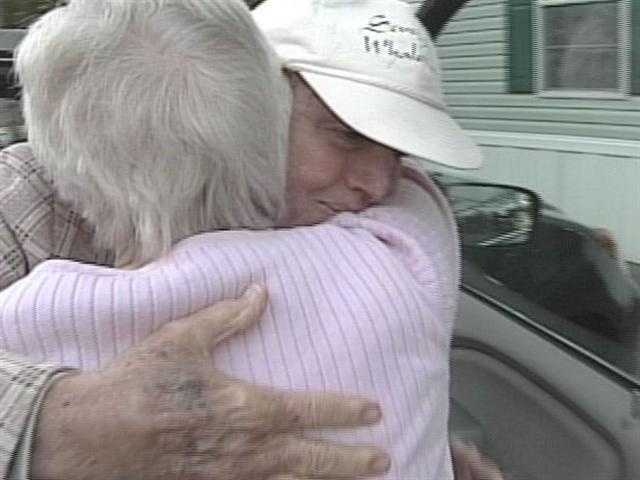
417 213
416 226
22 185
18 161
34 221
417 208
398 226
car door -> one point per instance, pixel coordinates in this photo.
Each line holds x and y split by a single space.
543 406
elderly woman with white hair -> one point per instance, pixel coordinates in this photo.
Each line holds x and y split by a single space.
160 120
156 125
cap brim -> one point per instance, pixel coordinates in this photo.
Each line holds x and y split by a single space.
397 121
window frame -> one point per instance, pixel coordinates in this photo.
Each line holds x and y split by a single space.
624 60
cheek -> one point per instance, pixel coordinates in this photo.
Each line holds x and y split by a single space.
302 209
313 174
315 170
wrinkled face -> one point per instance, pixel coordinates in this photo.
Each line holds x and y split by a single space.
331 167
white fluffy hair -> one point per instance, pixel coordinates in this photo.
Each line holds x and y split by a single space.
157 119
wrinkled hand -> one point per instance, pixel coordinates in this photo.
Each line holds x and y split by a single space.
470 464
163 411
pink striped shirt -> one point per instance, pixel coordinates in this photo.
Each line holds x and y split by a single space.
363 303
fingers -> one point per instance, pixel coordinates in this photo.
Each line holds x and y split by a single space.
245 312
461 467
265 410
283 411
470 464
208 327
316 459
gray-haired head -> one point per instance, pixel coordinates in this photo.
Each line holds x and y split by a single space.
157 119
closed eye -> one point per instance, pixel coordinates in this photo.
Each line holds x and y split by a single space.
349 136
353 135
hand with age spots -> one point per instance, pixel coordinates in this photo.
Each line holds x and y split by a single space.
162 410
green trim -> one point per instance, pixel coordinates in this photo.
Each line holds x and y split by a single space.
635 47
521 46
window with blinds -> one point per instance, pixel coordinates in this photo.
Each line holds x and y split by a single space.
583 46
575 47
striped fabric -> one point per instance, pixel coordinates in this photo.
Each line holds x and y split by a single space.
364 303
35 225
21 386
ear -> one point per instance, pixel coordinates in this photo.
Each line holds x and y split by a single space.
434 14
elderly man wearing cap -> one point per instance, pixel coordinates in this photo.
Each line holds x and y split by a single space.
366 87
374 66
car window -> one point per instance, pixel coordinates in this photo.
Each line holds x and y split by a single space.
573 141
555 271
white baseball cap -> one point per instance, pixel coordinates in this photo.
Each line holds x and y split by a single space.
374 64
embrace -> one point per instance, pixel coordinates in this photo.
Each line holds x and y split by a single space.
180 152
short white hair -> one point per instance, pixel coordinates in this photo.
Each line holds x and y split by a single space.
157 119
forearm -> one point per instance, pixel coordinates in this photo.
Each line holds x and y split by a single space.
67 421
22 386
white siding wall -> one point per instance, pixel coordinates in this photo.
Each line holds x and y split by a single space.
582 155
600 189
474 50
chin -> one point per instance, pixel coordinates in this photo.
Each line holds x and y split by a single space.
307 219
305 214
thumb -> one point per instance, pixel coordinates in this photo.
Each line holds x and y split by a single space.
213 325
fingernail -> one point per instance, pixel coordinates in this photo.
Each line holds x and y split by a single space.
253 291
380 464
371 414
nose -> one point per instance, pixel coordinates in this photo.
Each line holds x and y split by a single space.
373 175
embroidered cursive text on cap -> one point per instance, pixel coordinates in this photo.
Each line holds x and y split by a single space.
381 37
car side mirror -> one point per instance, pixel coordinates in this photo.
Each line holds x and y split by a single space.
491 215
